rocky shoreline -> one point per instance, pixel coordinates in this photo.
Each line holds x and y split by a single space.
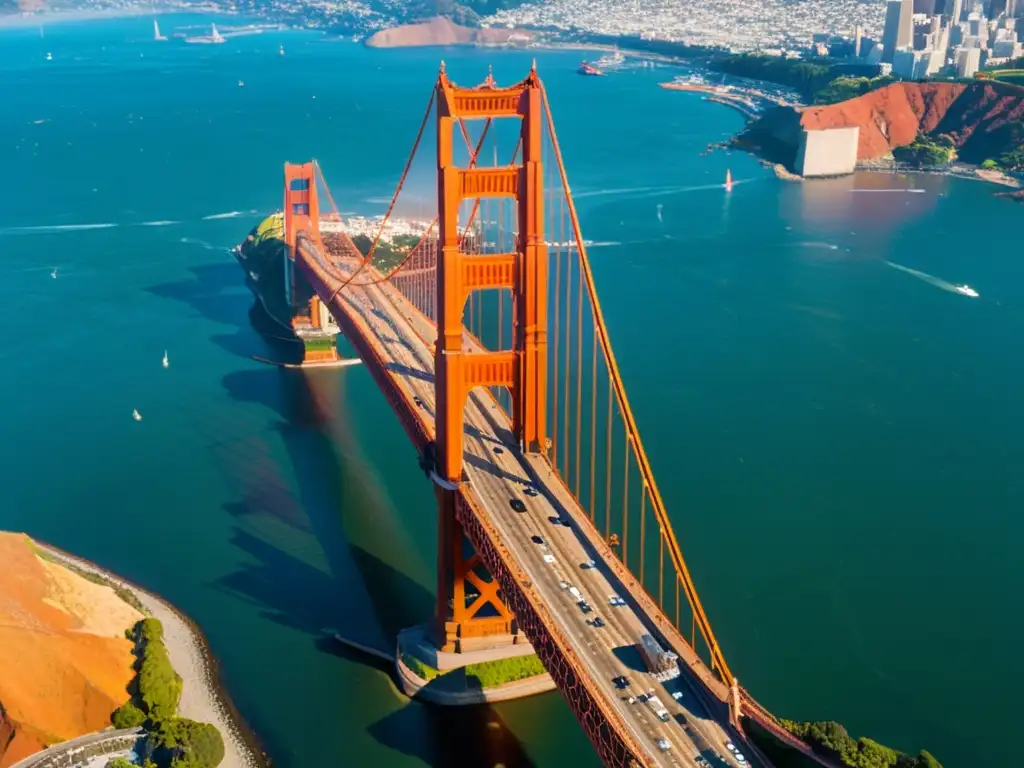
203 698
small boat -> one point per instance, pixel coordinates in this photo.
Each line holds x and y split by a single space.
54 274
136 415
728 181
589 69
156 32
49 56
966 290
166 361
215 36
241 84
280 51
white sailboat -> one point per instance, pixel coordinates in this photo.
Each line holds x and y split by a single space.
166 361
54 274
215 36
156 32
136 415
49 56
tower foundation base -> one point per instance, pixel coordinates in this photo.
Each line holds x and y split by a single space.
509 671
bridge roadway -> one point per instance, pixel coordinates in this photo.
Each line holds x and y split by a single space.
497 473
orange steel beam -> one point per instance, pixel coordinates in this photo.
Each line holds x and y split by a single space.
658 505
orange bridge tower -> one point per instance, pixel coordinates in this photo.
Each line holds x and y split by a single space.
311 321
486 621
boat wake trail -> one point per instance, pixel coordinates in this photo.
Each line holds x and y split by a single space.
898 191
157 223
202 244
963 290
54 228
228 215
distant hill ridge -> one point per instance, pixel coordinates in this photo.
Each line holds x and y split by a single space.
439 31
984 120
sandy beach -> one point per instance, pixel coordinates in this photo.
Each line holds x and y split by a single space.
200 697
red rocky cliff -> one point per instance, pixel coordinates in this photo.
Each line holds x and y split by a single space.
889 117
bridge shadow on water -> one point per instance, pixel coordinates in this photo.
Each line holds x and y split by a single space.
330 503
218 294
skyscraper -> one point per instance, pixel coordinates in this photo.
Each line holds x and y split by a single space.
899 27
954 10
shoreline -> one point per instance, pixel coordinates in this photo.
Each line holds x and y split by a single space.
203 698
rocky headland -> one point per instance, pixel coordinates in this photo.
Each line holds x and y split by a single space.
65 663
70 655
982 123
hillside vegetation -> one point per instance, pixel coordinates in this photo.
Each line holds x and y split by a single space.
831 739
817 82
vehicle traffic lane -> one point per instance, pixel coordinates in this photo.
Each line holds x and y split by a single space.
622 629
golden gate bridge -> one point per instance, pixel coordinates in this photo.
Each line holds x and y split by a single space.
488 340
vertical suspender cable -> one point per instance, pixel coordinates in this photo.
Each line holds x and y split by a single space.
568 337
718 659
593 428
643 511
625 502
579 379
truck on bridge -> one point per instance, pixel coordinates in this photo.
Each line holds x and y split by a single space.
664 665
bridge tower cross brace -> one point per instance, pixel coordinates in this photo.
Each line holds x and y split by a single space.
301 214
523 369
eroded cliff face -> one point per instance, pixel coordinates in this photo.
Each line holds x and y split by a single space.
984 119
64 661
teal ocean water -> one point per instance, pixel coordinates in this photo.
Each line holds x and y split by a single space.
838 441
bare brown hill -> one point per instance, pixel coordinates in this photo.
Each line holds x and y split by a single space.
440 31
64 661
984 119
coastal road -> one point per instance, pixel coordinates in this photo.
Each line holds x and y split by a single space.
498 473
58 753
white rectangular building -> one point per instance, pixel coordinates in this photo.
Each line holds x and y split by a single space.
829 152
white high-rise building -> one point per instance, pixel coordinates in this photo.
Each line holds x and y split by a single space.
899 27
968 61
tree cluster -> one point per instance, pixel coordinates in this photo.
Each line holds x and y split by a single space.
843 88
179 742
832 740
927 152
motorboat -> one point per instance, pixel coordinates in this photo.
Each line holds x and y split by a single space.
966 290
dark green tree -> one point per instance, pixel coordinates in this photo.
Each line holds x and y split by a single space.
128 716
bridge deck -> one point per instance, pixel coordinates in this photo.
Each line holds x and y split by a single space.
401 338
